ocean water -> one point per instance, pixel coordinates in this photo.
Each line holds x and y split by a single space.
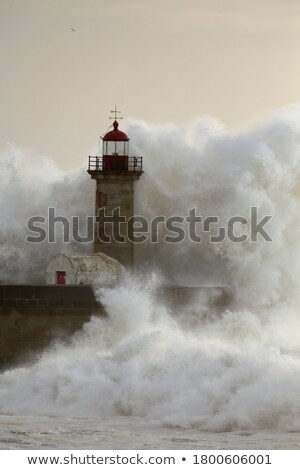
41 433
149 376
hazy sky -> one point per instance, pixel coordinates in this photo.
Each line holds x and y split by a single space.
159 60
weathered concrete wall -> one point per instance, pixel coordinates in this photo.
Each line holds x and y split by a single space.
116 191
33 316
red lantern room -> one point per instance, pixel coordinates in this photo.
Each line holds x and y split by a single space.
115 157
115 142
115 150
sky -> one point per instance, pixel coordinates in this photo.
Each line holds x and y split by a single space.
66 63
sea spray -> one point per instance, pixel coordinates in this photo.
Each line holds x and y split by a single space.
27 188
224 174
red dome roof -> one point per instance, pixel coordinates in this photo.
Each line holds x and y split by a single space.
115 135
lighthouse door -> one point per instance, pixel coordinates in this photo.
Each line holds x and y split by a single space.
60 277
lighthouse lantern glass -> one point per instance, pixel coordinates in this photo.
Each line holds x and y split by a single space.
119 148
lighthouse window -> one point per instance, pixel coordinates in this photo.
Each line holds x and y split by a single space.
115 148
120 148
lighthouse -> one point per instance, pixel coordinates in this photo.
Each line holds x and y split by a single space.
115 172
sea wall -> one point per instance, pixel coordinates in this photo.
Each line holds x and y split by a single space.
31 317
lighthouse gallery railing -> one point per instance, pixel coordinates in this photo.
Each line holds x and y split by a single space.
134 164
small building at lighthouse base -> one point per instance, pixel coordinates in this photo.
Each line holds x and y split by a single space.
83 269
